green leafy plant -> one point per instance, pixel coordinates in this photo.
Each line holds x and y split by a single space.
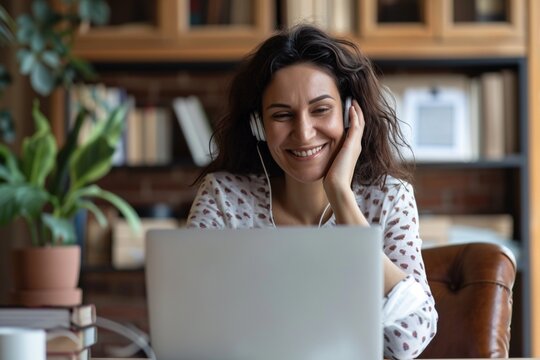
43 41
46 186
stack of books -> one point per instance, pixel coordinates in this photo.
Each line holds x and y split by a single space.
71 331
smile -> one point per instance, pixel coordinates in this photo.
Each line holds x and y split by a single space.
306 153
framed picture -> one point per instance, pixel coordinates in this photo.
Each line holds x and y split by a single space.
436 123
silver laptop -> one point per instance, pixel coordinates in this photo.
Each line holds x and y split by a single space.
286 293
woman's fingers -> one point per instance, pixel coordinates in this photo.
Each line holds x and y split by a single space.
357 118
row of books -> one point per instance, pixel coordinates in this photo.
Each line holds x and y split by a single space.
445 117
70 331
148 133
453 117
148 137
333 15
220 12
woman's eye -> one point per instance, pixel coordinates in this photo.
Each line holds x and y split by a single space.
322 110
281 116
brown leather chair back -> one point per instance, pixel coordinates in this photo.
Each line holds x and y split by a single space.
472 286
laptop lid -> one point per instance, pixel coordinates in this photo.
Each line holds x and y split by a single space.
285 293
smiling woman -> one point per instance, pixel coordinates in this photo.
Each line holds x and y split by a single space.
286 157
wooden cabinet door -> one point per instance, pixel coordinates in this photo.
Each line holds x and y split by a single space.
395 20
178 30
483 20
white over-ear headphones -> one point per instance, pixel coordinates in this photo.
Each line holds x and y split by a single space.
257 128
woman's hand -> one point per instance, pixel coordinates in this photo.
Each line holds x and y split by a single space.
340 174
337 182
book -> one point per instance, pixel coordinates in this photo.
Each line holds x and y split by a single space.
150 136
511 113
196 133
157 136
475 115
70 355
71 340
135 135
341 20
241 12
493 116
164 139
202 126
48 318
297 11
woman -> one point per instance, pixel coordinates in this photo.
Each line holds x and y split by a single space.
287 155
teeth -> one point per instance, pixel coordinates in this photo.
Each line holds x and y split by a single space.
305 153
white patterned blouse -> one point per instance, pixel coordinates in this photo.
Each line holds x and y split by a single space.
226 200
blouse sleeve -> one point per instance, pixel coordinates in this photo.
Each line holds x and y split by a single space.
207 208
410 318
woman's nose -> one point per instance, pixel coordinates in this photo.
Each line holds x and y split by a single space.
304 127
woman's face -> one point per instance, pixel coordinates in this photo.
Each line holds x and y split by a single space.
303 121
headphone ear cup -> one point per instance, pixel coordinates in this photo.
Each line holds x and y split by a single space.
346 108
257 128
253 125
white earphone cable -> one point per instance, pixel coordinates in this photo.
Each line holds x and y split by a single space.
269 185
324 212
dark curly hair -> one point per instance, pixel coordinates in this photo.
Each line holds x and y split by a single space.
354 76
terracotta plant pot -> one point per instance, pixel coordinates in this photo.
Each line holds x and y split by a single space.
47 276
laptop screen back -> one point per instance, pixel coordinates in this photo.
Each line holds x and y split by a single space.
286 293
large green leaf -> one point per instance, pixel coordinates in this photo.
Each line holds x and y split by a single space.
42 79
7 126
39 150
99 215
96 11
25 28
62 230
27 61
5 175
8 204
51 58
20 200
125 209
93 160
37 42
61 175
112 127
41 10
10 165
30 200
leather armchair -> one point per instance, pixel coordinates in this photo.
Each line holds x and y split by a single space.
472 286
